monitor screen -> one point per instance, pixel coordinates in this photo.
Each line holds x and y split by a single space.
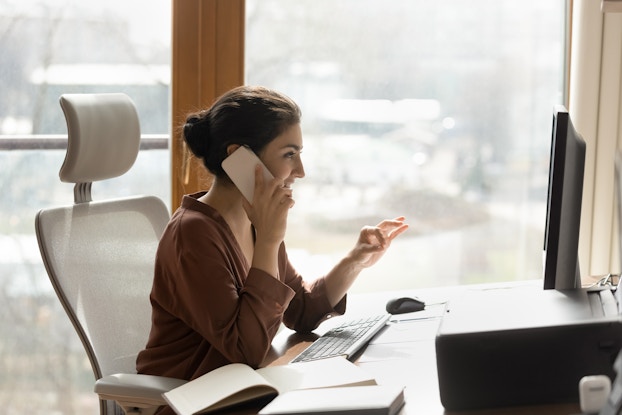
563 213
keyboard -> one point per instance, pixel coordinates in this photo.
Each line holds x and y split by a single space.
345 339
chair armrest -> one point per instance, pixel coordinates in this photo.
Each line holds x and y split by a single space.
135 390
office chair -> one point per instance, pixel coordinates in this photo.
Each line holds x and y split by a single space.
99 255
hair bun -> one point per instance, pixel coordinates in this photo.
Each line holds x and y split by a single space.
197 135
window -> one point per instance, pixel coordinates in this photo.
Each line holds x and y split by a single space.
440 112
50 48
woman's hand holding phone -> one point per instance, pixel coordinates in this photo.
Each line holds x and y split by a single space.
270 207
267 200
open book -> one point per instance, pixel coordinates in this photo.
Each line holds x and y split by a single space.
237 383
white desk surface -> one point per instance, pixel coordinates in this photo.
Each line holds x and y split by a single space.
404 353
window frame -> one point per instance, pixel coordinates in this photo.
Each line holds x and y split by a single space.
208 60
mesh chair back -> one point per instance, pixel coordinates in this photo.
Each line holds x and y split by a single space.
99 257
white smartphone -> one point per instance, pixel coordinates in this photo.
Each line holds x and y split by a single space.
240 167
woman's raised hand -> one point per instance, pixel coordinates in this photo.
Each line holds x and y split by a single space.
374 241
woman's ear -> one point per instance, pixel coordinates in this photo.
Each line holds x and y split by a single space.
231 148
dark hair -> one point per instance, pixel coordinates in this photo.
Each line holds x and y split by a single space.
246 115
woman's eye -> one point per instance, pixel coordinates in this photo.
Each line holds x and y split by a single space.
292 154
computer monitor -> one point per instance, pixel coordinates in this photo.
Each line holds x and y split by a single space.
563 212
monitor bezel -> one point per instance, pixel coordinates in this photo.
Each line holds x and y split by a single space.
564 198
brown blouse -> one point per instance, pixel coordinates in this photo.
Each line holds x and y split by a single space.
210 308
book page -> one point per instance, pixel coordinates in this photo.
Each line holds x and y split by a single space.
323 373
227 385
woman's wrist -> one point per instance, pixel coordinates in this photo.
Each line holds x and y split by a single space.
265 257
354 262
341 277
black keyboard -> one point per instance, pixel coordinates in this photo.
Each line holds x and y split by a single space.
345 339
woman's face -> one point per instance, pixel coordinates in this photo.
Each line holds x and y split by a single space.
282 155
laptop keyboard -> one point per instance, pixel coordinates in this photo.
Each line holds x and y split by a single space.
345 339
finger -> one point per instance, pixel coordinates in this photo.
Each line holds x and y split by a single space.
287 191
377 233
259 182
259 179
276 188
392 222
398 231
287 199
388 232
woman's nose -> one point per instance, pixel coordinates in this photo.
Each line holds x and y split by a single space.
299 171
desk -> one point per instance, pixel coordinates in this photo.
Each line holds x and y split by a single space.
404 353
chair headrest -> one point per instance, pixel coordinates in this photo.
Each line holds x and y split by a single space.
103 136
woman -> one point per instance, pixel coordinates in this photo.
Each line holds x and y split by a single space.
223 283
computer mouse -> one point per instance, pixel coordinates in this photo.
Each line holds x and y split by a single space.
404 305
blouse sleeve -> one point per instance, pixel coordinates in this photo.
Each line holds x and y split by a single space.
309 306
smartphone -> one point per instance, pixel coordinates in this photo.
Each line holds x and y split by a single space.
240 167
